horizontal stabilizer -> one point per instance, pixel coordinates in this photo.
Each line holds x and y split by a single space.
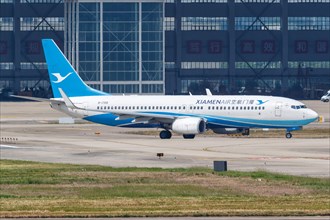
30 98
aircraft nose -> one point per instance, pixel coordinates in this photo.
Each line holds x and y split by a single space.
312 114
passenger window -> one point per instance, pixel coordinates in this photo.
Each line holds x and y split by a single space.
263 108
209 108
224 108
220 107
244 107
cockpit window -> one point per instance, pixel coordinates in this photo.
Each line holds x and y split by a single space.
298 106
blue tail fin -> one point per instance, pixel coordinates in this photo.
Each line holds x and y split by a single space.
63 75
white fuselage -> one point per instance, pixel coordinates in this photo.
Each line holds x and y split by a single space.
223 111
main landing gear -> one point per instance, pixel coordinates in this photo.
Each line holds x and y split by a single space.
188 136
165 134
288 135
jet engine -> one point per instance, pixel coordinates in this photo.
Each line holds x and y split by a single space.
244 131
189 125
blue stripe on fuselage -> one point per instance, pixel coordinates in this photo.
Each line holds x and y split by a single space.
212 121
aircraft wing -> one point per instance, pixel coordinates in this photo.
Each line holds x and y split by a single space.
142 115
122 115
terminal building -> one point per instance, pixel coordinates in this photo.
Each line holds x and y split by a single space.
270 47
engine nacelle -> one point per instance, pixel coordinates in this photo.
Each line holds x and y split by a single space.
189 125
244 131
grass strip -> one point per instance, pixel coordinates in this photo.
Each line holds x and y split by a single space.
32 189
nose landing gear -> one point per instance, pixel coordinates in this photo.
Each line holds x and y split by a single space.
288 135
288 131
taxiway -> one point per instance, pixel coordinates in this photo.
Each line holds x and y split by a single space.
37 137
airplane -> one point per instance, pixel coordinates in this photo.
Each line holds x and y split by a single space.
187 115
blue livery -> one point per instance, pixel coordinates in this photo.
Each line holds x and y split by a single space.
63 75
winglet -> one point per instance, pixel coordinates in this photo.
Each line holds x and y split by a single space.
66 99
208 92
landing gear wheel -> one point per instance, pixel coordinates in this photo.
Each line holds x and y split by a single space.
188 136
246 132
165 134
288 135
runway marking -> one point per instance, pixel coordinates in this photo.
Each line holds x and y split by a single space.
8 146
287 158
77 129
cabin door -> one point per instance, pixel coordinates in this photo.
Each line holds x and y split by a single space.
278 109
85 111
